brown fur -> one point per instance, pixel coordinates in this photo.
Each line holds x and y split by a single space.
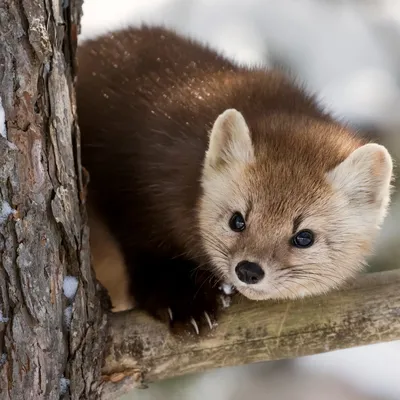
109 262
147 100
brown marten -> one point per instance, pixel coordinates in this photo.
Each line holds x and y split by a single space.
204 172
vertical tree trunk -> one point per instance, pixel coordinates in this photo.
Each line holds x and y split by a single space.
49 344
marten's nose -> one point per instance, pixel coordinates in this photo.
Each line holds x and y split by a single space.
249 272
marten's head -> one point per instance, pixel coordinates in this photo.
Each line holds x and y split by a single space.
291 206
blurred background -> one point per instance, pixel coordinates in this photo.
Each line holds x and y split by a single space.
348 52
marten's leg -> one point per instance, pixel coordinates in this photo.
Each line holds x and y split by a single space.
108 263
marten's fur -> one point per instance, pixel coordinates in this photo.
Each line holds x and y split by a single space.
176 139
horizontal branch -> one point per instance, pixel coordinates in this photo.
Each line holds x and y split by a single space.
142 350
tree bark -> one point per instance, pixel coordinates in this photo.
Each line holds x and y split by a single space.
140 350
50 345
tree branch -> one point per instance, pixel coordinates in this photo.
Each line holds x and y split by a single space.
141 350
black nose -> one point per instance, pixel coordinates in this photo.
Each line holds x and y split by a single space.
249 272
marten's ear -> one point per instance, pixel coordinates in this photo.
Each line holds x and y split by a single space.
230 140
365 179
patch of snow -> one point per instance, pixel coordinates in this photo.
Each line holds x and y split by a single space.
70 286
227 288
64 385
3 129
3 319
5 211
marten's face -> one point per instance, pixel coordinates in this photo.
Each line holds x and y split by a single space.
283 229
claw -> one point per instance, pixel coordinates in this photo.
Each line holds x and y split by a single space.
195 326
208 320
171 316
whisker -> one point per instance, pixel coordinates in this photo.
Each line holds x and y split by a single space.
312 276
297 266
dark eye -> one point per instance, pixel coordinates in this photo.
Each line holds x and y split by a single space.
237 223
303 239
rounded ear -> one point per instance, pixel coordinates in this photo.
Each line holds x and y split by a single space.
365 177
230 140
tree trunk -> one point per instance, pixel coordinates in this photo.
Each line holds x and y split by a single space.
50 344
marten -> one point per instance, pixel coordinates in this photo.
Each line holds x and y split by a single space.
204 172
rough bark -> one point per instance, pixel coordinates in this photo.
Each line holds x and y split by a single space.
43 235
140 350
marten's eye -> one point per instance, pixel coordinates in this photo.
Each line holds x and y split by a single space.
303 239
237 223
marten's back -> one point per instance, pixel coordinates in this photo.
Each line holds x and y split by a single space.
137 118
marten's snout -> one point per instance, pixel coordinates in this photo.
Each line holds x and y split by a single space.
249 272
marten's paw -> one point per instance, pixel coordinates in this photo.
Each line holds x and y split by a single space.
210 304
177 293
190 307
196 308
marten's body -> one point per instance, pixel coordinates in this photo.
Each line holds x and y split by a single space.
147 102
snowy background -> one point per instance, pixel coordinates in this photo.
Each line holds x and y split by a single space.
348 52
